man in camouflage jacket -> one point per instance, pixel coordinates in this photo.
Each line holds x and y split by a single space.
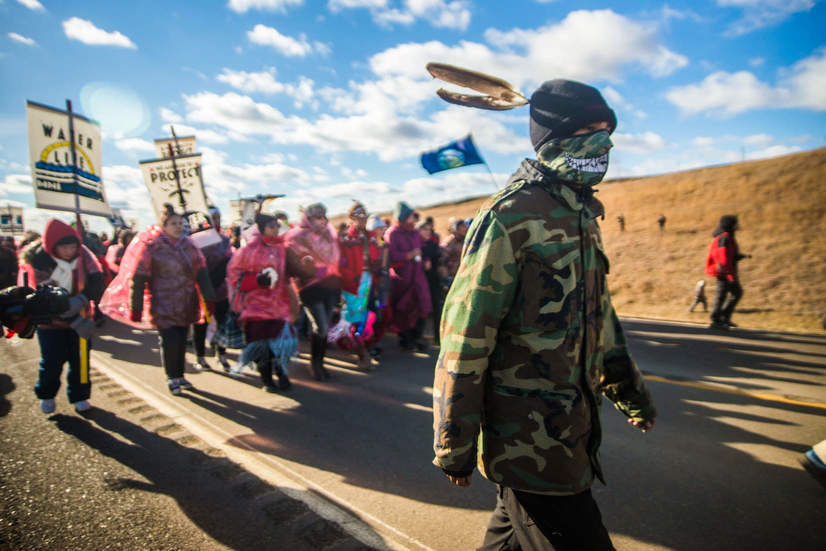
530 339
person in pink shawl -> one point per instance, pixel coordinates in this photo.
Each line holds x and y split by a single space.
315 240
260 272
167 268
409 293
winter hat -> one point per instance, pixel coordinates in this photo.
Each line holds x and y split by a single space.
316 210
375 222
561 107
57 233
402 211
727 224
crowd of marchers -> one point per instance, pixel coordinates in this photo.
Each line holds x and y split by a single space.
272 284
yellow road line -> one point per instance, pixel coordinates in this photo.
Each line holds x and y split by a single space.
738 391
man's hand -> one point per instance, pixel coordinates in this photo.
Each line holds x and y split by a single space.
463 481
644 426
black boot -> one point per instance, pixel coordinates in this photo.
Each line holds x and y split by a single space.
281 373
316 358
322 351
265 370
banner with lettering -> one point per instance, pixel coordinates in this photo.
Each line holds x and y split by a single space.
189 199
184 145
59 184
11 219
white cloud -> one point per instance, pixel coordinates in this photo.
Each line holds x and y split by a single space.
265 83
22 39
647 142
667 13
758 139
242 6
86 32
773 151
135 144
703 142
286 45
447 14
15 184
32 5
803 86
168 115
758 14
756 62
201 135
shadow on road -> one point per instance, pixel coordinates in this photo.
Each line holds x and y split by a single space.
7 386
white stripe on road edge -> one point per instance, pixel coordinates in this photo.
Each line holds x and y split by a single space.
284 477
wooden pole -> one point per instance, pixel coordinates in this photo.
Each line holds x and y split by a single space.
78 220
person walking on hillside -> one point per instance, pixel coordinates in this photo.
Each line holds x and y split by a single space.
409 292
315 240
721 263
661 222
173 268
60 259
530 339
621 221
258 275
217 257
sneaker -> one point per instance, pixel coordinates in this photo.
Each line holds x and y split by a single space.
184 384
47 406
730 323
202 365
815 467
174 386
718 325
82 406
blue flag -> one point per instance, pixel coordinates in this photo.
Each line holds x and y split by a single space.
453 155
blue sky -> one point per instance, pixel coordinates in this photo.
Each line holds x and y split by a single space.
329 100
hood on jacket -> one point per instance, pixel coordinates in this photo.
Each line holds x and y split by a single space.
402 211
728 223
57 232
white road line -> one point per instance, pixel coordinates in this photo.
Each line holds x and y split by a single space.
284 476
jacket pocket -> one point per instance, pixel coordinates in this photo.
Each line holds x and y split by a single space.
548 289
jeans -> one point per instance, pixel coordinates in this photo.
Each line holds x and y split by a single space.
58 346
318 303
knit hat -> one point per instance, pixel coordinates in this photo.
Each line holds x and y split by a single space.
402 211
375 222
728 222
561 107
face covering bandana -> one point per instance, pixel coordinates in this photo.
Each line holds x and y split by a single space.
579 159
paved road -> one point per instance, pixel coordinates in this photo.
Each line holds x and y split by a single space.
719 471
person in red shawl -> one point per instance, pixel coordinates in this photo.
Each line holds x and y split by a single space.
409 293
167 264
315 240
359 266
60 259
260 271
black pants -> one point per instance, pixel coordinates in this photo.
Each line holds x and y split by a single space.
199 330
57 347
318 303
173 350
533 522
727 296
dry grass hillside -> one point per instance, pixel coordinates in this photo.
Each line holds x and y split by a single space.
781 204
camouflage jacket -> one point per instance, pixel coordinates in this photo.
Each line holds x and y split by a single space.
529 341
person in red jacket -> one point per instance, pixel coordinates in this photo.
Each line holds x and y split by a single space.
721 263
359 266
61 260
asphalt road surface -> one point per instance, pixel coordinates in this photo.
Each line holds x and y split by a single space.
719 471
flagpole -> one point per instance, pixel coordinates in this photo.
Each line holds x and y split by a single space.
491 175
